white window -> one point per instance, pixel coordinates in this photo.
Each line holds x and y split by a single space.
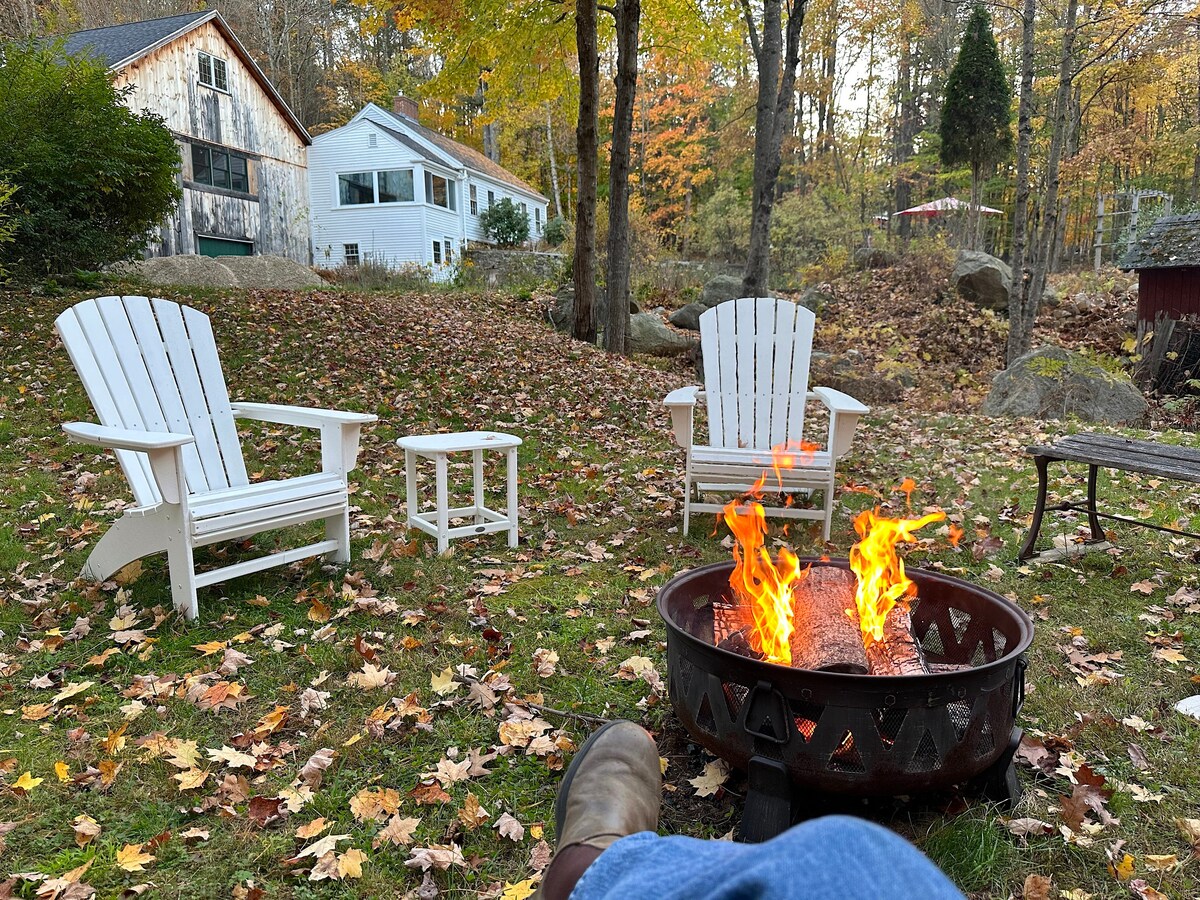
447 256
437 253
537 220
350 254
491 199
365 188
439 191
474 201
395 186
525 211
356 188
213 72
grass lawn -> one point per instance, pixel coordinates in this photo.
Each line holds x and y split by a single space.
311 703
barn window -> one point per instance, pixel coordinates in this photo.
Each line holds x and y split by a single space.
213 72
356 188
474 201
437 253
220 168
396 186
350 254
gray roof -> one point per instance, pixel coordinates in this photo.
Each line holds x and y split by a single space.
413 145
117 43
1173 242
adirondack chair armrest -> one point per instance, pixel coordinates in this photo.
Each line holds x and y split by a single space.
339 430
844 413
162 447
682 404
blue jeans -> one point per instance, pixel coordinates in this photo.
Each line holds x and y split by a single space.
834 858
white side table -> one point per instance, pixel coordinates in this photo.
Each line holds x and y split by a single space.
437 447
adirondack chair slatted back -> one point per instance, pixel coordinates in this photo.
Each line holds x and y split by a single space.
756 357
152 365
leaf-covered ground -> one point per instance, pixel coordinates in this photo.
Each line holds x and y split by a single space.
327 732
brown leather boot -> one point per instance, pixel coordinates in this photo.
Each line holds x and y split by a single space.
612 789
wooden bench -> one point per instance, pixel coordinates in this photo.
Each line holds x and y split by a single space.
1110 452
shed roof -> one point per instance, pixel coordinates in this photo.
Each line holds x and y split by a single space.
1173 242
117 46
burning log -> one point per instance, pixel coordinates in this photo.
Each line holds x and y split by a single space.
898 653
739 643
826 635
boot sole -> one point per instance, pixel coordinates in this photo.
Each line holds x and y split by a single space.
560 804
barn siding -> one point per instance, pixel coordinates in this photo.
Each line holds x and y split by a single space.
1175 292
167 82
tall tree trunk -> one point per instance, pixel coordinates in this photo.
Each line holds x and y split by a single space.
777 52
1019 336
587 147
973 214
553 164
616 329
1195 191
905 129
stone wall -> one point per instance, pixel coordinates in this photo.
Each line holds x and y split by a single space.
512 268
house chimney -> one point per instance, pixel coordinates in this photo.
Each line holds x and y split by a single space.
406 107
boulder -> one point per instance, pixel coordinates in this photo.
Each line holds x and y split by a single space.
266 272
982 278
1053 383
720 289
688 316
562 313
815 297
873 258
649 334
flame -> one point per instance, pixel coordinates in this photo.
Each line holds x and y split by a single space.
761 585
880 570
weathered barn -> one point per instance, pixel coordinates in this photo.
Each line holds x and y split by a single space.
244 153
1167 260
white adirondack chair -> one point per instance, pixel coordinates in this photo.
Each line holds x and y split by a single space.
756 357
151 370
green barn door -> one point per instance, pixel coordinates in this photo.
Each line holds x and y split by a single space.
209 246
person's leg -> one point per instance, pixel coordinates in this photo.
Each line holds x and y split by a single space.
834 858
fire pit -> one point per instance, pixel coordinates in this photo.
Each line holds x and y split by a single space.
797 729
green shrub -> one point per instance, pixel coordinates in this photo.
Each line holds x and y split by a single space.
7 225
93 177
505 223
556 231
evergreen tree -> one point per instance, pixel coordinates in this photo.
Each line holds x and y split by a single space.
978 110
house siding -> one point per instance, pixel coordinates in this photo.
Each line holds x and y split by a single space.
246 119
394 235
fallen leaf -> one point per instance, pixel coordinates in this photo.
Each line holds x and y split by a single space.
443 682
26 783
397 832
508 827
518 891
544 662
435 856
312 829
1037 887
471 814
708 782
86 829
132 858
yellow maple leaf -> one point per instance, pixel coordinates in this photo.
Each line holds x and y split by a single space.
27 782
1166 654
1123 870
35 712
86 828
98 661
62 770
312 829
132 858
350 863
190 779
210 648
518 891
71 690
1161 862
443 682
536 831
115 742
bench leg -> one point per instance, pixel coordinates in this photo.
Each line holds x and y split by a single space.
1093 519
443 504
1039 509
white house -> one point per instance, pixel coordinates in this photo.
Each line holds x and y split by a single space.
243 151
385 188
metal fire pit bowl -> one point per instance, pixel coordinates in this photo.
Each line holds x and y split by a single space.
795 730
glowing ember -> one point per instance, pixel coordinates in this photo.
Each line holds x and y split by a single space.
880 570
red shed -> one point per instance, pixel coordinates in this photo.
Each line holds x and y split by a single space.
1167 260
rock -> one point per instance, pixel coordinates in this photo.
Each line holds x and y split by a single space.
688 316
981 278
873 258
649 334
562 313
720 289
815 297
269 272
984 279
1053 383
